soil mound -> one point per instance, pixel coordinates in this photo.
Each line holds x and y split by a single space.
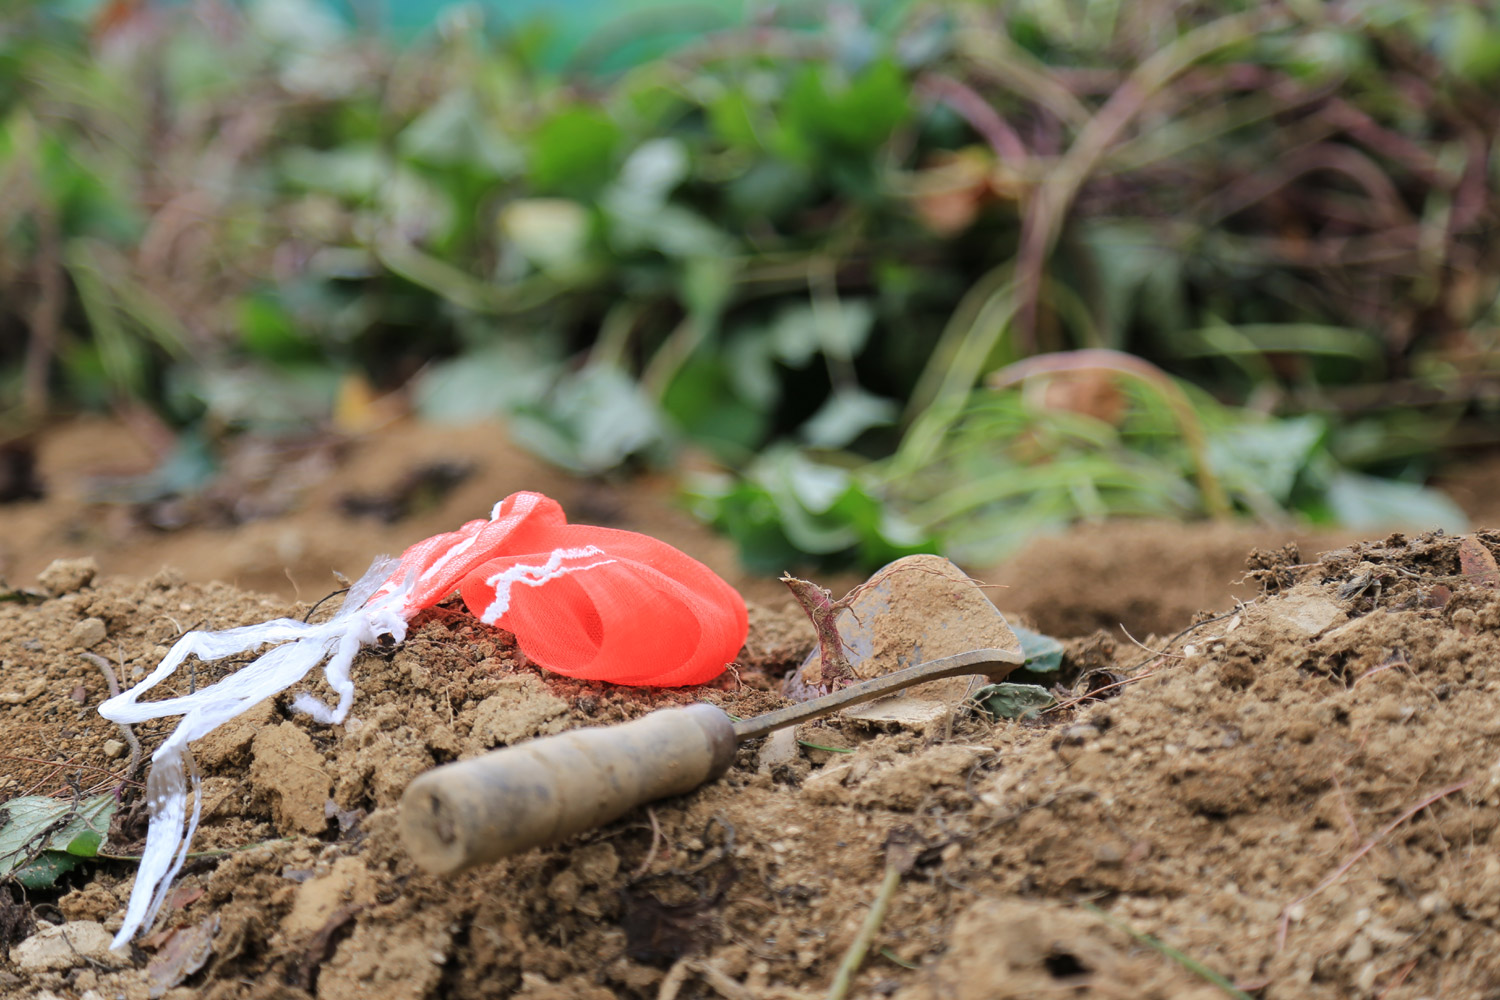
1298 794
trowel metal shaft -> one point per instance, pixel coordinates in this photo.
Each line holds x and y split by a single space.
991 662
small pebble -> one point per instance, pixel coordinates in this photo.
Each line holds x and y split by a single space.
87 633
113 748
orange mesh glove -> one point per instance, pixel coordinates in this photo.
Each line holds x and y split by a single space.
596 603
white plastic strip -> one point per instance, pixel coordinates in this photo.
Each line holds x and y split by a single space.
303 647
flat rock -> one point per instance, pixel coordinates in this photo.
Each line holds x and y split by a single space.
1307 613
66 946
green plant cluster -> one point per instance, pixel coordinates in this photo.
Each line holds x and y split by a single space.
798 248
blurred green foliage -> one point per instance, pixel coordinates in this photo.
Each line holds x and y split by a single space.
796 247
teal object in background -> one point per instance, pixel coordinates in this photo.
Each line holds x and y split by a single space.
594 34
561 35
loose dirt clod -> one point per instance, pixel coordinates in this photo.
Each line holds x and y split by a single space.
64 576
288 770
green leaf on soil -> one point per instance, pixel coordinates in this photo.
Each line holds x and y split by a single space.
1043 653
44 871
1013 701
42 838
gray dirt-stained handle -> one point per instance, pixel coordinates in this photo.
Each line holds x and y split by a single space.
544 791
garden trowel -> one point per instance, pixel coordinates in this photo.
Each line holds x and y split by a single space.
919 629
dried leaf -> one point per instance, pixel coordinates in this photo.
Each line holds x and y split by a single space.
1478 563
658 933
322 944
184 952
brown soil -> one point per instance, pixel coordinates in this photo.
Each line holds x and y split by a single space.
1249 797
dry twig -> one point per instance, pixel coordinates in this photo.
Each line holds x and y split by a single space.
1361 851
125 730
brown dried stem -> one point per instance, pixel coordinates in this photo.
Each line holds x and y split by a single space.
823 611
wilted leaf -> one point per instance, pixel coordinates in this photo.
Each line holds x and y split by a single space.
186 951
659 933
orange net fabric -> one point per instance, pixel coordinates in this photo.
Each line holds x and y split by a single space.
590 602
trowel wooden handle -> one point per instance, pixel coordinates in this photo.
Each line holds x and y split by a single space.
544 791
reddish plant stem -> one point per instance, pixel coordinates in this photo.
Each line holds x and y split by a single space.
823 611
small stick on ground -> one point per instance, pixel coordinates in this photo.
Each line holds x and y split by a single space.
1361 851
721 982
1095 693
672 982
1184 633
69 764
1354 837
716 978
125 730
1154 652
1398 979
855 956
